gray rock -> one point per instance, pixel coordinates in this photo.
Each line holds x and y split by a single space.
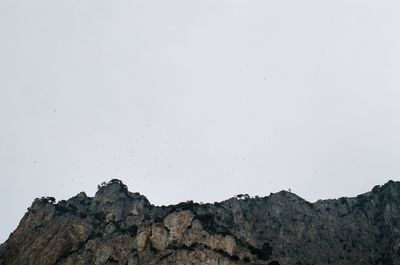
120 227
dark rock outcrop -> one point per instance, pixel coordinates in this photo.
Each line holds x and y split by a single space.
120 227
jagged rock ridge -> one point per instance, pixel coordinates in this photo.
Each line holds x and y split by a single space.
120 227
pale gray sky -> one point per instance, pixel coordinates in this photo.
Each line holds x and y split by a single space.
199 99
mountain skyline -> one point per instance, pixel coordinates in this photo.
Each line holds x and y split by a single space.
117 226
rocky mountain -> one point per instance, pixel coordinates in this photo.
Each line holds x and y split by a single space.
120 227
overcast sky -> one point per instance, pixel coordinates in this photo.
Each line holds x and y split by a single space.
199 99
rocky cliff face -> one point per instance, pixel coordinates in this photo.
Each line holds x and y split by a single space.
120 227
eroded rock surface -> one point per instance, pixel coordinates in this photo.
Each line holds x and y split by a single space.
120 227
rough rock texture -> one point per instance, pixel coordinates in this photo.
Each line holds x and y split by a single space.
120 227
